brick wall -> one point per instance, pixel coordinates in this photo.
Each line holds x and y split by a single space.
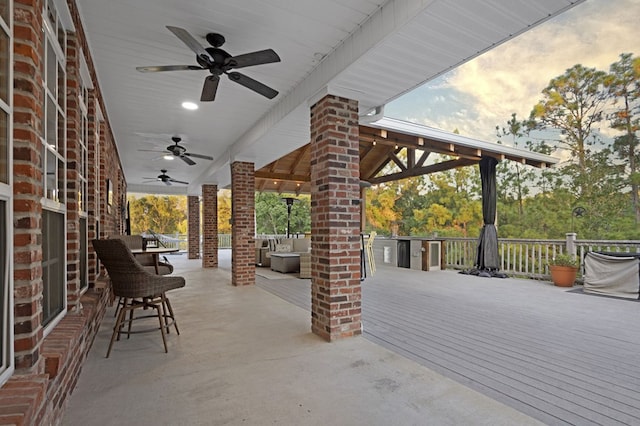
27 185
243 230
47 368
40 399
335 219
193 206
209 226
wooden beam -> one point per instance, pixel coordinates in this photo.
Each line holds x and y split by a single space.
301 153
282 176
393 157
411 157
419 171
422 159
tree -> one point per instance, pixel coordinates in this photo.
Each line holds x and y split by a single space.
224 211
453 202
160 214
623 84
512 176
572 104
271 214
380 207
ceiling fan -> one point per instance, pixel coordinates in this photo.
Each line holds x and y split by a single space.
181 152
166 179
219 62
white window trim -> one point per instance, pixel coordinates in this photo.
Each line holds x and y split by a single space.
8 333
6 195
49 327
48 204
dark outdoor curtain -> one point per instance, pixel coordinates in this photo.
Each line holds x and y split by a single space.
127 221
487 259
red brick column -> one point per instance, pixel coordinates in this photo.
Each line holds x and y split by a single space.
335 219
73 154
243 228
27 185
193 226
209 226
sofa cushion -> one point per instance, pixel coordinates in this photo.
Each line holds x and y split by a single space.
301 245
287 241
283 248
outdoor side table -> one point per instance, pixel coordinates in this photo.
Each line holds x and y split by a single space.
285 262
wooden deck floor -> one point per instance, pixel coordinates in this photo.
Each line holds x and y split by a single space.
560 356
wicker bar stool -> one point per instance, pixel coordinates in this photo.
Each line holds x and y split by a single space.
146 260
138 288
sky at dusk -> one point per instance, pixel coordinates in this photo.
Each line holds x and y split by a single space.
484 92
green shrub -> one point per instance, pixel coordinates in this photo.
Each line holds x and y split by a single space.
564 260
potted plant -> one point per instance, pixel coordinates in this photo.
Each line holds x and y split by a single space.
563 269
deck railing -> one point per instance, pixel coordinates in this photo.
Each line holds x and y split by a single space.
518 257
180 241
530 257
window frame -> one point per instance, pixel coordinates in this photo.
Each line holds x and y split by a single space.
83 173
53 138
54 320
7 361
54 155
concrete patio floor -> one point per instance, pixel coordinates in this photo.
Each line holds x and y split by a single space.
246 356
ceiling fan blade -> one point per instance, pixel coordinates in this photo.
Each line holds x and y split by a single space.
191 42
204 157
178 181
254 58
167 182
209 89
158 68
187 160
252 84
151 150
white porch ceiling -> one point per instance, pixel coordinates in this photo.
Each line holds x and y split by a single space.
369 50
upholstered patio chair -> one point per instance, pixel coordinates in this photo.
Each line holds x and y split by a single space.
138 288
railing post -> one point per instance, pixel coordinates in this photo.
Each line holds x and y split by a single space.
571 244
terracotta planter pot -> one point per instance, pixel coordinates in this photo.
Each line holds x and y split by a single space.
563 276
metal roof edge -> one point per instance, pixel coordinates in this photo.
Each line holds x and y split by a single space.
420 130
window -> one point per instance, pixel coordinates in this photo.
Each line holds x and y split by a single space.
84 281
53 265
53 148
83 141
6 308
5 70
53 120
83 171
6 230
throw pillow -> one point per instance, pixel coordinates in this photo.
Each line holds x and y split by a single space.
280 248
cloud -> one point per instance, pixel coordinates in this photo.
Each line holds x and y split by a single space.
485 92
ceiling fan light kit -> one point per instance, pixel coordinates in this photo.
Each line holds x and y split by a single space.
218 62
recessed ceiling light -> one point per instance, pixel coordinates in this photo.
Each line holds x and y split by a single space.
189 105
168 157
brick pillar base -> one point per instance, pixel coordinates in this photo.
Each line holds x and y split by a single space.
210 226
243 258
193 239
335 219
